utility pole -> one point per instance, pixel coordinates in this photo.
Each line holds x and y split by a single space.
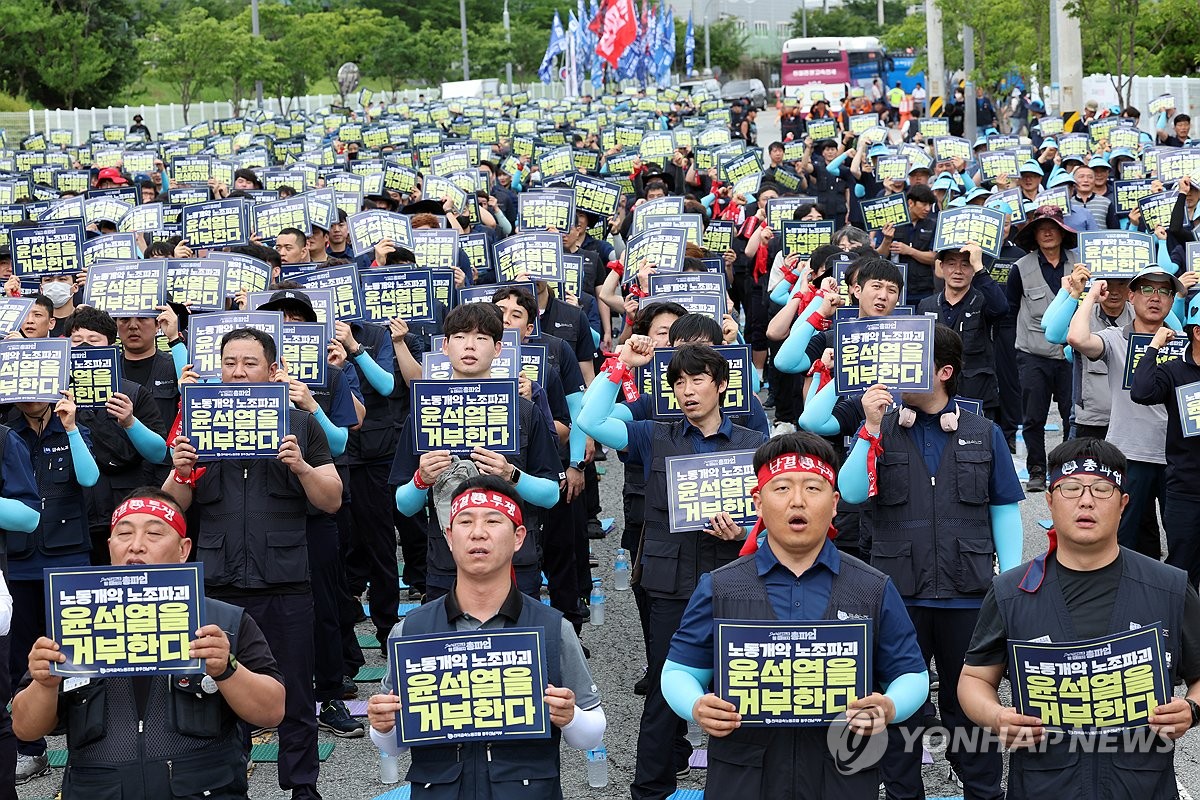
508 39
937 58
970 126
258 89
1066 52
462 15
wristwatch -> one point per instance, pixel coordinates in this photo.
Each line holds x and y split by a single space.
355 353
576 465
1195 711
229 670
514 476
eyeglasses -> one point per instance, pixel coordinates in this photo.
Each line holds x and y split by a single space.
1073 490
1150 291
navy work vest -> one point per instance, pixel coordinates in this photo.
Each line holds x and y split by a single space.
933 534
788 763
522 770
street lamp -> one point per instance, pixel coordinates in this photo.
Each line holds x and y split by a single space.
258 89
462 15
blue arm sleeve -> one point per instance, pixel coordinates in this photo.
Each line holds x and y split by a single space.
968 183
380 379
149 444
1057 319
908 693
860 191
336 435
818 410
682 686
597 418
622 412
86 471
1178 312
539 491
16 516
179 354
708 200
793 356
1164 257
577 439
1069 354
781 292
1007 534
852 477
410 499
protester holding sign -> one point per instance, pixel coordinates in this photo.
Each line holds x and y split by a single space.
1172 383
472 341
946 497
793 572
483 532
1083 587
1139 430
671 563
971 304
61 458
185 726
127 431
1045 373
251 535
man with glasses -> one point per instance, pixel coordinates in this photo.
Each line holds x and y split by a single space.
1139 430
1083 587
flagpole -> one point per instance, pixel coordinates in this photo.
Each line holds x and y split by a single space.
462 14
508 40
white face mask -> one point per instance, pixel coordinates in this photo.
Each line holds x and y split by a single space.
58 292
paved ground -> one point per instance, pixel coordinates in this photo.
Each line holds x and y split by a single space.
351 771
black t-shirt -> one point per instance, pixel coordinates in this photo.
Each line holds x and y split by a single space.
1089 597
137 370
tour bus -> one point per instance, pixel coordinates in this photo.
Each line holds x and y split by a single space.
831 64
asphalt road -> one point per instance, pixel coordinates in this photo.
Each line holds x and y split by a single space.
352 770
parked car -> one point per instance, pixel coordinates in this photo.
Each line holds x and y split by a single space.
710 86
752 88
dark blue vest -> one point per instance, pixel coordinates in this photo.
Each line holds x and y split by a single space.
788 763
1149 592
933 534
63 529
497 770
191 744
251 520
673 562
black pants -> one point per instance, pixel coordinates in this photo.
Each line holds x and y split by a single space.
8 740
1009 378
1042 380
372 556
287 623
1181 519
559 556
328 590
1145 483
662 746
348 605
1089 431
412 532
944 634
28 623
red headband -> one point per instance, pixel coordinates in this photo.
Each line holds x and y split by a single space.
155 508
486 499
791 462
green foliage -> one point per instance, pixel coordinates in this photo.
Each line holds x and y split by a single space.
68 52
854 18
189 55
1136 37
726 43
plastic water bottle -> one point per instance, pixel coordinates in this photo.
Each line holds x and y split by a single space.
597 767
621 570
694 735
597 606
389 768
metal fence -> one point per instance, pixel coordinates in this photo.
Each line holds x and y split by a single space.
1144 89
81 121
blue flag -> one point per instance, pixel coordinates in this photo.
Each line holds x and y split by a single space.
689 48
665 56
558 44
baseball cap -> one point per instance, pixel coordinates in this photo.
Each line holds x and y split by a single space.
111 174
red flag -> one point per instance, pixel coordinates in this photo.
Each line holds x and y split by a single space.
620 29
596 26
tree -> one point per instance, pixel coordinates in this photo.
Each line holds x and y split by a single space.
430 53
726 44
853 18
247 61
1122 37
189 56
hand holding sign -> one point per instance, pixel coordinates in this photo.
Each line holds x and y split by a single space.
724 528
120 408
289 454
212 645
432 465
561 702
183 457
870 715
1172 719
1017 730
65 410
382 710
715 716
45 652
875 402
491 463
